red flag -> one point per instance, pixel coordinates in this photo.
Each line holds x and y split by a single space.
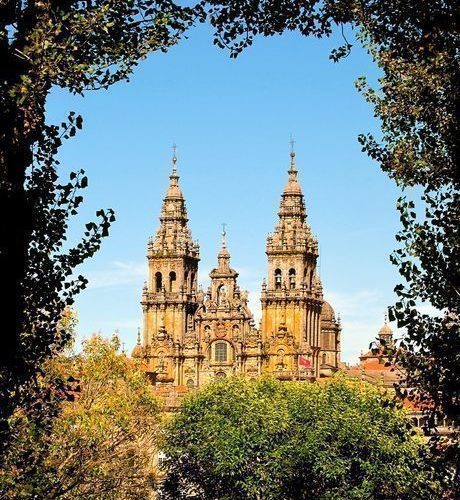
303 361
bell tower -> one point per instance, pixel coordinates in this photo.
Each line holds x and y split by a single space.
169 296
292 295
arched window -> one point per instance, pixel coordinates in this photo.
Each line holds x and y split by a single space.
324 358
158 282
220 352
190 383
220 375
172 281
277 278
292 278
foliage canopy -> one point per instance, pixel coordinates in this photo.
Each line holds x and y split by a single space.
103 441
88 45
272 440
79 46
416 46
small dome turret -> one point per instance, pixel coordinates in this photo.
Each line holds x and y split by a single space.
386 334
327 313
138 351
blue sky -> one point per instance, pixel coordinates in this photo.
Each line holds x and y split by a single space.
232 121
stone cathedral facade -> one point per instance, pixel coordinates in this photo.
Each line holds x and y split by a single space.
191 336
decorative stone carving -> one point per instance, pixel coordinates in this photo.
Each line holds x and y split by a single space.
182 323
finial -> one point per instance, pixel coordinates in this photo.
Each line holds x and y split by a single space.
385 320
292 169
224 234
123 351
292 142
138 335
174 158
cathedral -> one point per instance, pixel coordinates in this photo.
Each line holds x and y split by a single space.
191 336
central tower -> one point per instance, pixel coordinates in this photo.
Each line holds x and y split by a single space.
292 296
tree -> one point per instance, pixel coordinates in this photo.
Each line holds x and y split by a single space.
80 46
416 47
272 440
88 45
49 286
102 444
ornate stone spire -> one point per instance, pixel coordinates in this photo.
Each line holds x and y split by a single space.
292 232
174 189
173 236
223 258
174 194
317 285
293 186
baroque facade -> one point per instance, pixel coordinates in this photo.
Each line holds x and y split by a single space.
191 336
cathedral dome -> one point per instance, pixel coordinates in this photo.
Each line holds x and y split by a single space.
292 187
385 330
174 192
327 313
138 351
224 253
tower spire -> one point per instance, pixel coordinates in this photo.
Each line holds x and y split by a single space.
174 190
173 235
292 187
223 257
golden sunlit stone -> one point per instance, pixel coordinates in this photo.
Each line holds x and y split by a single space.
191 336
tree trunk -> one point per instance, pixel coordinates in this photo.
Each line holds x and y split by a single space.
14 238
